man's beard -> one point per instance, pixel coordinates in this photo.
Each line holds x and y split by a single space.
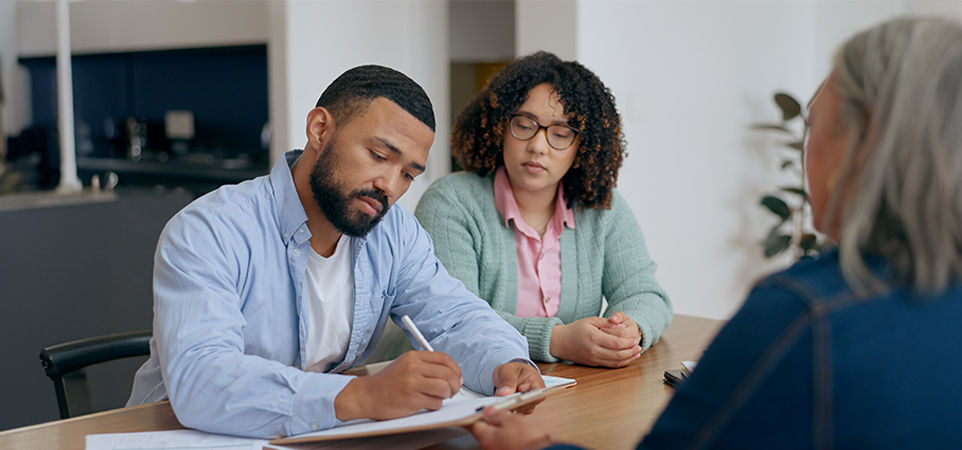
334 204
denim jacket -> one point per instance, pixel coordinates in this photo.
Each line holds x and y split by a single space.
230 315
807 364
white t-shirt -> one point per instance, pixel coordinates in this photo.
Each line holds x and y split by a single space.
329 293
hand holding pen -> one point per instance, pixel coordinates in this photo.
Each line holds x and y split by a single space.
414 381
508 378
413 329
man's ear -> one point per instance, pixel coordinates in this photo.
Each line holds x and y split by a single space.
320 127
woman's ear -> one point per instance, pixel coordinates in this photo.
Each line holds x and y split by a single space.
320 126
866 141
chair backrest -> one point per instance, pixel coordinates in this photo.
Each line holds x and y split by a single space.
64 364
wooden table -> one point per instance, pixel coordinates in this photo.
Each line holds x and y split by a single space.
608 409
614 408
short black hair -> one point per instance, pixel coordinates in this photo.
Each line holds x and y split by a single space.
353 90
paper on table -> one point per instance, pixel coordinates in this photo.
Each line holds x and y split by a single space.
462 405
408 441
453 411
550 381
467 394
170 439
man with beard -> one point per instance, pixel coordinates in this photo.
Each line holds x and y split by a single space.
266 290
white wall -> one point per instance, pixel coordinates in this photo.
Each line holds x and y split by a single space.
118 25
549 25
16 91
689 77
321 40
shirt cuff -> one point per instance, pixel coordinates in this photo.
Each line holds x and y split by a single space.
650 332
313 408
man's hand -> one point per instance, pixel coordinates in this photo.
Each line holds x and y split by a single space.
502 429
516 377
415 381
596 341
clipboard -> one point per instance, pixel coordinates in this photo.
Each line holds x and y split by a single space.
457 414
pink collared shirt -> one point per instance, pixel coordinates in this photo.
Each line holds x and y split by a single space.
539 260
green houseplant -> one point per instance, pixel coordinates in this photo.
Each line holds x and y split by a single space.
789 204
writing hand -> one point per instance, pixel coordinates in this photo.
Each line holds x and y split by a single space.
415 381
503 429
585 341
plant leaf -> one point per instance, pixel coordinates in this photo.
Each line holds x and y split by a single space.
797 191
777 206
797 145
808 242
789 106
770 126
776 243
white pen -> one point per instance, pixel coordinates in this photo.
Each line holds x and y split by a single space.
409 324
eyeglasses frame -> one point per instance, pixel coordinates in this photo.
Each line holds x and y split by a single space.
542 127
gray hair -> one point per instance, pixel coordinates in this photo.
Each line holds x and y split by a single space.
901 88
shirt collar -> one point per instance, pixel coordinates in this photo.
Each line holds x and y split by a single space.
287 204
508 207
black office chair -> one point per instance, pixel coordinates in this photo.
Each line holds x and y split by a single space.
64 364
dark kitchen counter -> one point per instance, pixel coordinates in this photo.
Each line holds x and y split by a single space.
198 175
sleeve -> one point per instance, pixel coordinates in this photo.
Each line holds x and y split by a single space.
199 330
738 388
452 318
456 234
628 277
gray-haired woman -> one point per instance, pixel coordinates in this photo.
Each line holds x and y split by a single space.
855 348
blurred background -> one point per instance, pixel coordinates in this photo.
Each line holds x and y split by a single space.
174 98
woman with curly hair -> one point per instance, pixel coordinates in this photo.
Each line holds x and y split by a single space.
534 225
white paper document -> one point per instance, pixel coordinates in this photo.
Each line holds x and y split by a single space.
462 405
171 439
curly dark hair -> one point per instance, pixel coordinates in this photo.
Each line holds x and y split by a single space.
479 129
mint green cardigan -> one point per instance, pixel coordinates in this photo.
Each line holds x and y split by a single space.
603 256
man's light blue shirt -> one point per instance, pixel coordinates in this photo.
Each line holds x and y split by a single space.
230 320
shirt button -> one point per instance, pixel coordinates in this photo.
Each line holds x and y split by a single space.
287 235
547 299
301 230
297 253
313 425
541 256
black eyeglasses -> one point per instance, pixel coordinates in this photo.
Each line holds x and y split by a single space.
559 137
